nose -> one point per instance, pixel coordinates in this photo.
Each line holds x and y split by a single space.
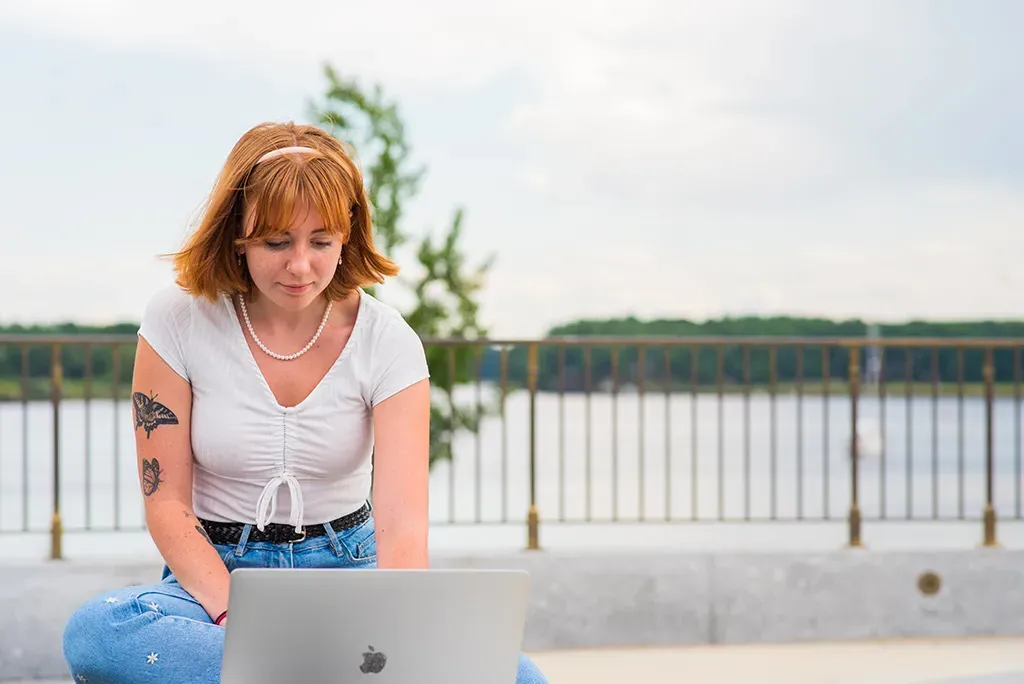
299 262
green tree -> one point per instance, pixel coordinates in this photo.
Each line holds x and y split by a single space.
443 285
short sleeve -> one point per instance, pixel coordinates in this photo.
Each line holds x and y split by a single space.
166 324
398 361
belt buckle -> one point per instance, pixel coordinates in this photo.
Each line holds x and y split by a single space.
296 540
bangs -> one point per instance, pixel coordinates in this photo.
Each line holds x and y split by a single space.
280 187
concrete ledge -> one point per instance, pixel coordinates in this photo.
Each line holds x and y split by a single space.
630 599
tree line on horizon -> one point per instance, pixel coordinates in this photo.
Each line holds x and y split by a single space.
566 368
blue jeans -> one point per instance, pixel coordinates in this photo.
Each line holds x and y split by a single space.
160 633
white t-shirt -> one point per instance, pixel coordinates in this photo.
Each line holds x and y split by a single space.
256 461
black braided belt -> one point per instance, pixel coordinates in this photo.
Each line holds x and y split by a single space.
281 533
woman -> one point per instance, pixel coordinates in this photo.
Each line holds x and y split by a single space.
264 379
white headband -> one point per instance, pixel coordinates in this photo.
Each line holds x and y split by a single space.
285 150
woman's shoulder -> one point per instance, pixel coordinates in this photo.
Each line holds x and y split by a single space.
174 300
174 311
170 298
167 326
393 350
383 322
385 331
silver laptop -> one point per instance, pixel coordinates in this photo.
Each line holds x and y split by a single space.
374 626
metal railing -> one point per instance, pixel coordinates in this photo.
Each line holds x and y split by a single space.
726 413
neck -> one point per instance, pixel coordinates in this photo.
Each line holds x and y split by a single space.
278 321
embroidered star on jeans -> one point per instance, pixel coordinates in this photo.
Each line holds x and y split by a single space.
154 606
81 678
151 658
111 599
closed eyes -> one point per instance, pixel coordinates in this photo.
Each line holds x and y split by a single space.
281 244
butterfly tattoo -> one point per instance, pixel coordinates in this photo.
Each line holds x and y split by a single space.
150 476
150 413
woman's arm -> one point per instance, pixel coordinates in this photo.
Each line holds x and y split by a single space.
162 408
401 464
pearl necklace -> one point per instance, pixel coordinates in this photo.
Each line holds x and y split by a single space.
282 357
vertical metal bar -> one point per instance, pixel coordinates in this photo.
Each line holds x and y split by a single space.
883 456
641 361
1016 430
746 432
587 381
668 433
855 521
825 390
800 432
615 433
504 433
115 382
772 389
908 398
719 362
450 393
1 451
24 438
88 436
56 388
990 510
561 432
1 456
960 430
693 431
478 455
935 433
533 518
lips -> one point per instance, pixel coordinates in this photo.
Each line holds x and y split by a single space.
296 289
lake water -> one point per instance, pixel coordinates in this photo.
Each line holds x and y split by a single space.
646 458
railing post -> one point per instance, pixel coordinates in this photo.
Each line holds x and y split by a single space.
533 518
855 540
56 383
990 510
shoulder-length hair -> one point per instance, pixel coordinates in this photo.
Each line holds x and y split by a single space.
268 192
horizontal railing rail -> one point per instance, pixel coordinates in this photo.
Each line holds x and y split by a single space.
597 430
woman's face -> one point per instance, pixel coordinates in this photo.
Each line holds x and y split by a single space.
292 269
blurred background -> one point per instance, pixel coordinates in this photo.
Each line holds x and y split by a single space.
695 277
657 159
666 256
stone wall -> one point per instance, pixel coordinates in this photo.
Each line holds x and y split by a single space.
632 598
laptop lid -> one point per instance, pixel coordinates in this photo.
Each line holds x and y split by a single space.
319 626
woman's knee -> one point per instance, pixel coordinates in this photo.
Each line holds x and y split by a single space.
87 634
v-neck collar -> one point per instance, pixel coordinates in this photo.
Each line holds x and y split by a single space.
240 335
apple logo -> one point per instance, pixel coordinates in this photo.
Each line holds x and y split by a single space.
373 662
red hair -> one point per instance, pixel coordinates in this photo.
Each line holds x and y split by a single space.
326 180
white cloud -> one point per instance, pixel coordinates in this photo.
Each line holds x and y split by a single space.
441 44
655 101
668 158
90 287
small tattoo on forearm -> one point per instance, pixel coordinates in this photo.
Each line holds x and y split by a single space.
150 413
150 476
202 530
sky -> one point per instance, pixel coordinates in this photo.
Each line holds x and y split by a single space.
856 158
